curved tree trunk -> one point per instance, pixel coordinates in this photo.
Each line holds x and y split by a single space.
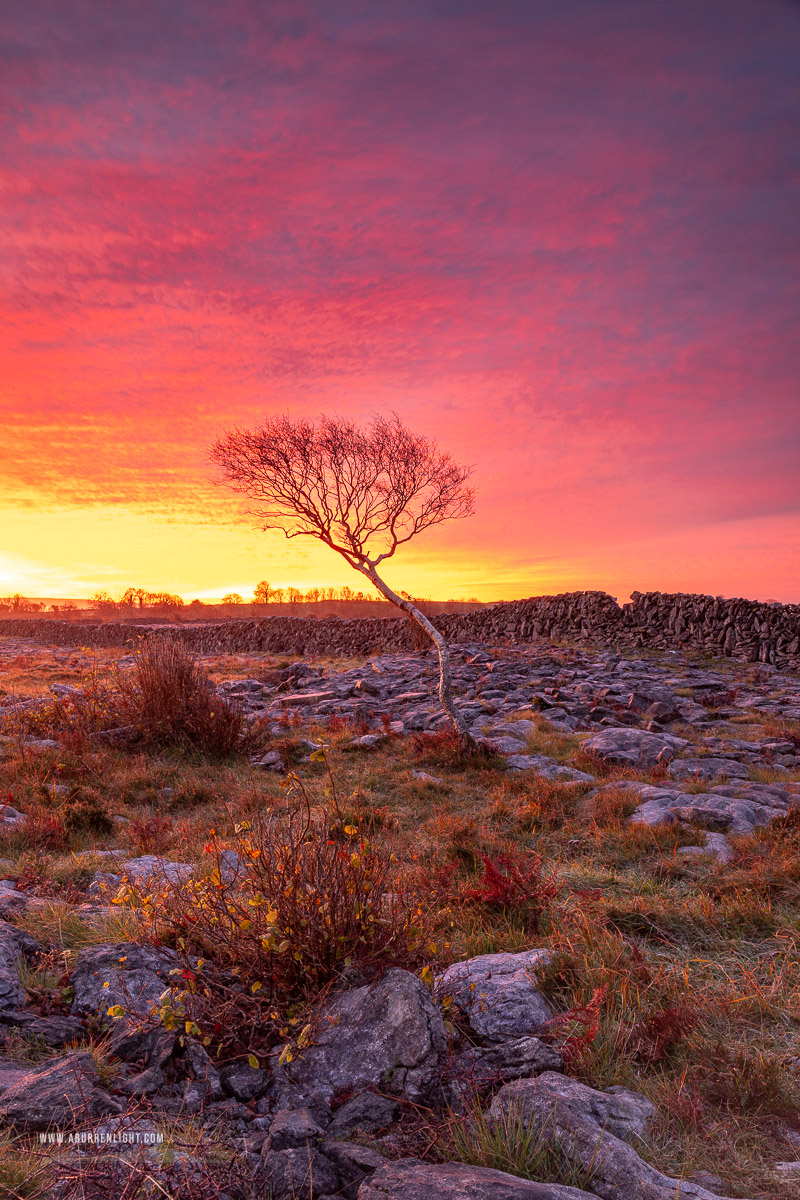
440 642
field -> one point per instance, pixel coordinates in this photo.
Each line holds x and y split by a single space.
674 975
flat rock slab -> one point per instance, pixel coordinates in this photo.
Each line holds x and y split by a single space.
517 729
686 769
61 1092
634 747
388 1036
547 768
498 995
303 699
596 1132
503 745
409 1179
734 808
136 976
158 870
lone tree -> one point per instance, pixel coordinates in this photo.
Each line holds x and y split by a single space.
362 492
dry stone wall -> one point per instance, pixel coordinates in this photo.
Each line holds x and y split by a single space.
747 630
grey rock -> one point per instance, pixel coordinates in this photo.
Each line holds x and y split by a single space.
291 1129
738 807
719 846
105 883
10 1073
389 1036
11 993
206 1075
409 1179
424 777
521 729
367 1112
498 994
150 869
594 1130
353 1164
60 1092
478 1066
368 741
547 768
684 769
244 1082
136 975
634 747
303 699
271 761
291 1174
504 745
54 1031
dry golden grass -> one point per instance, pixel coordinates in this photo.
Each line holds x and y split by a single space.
692 969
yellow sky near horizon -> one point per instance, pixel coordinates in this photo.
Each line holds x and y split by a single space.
112 548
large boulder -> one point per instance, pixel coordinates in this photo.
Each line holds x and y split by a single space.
634 747
126 973
408 1179
389 1035
498 994
594 1131
60 1092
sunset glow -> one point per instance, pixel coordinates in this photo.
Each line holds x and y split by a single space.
559 237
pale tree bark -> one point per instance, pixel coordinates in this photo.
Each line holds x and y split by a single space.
352 488
465 738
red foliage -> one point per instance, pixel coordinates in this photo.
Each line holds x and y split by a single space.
585 1021
515 880
661 1032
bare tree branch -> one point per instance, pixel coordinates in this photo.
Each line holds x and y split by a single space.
363 492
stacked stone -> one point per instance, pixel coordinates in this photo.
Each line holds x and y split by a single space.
746 630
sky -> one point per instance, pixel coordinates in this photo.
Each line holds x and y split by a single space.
558 236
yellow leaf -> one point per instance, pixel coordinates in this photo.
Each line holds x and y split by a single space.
285 1055
116 1010
256 987
350 830
427 975
251 1058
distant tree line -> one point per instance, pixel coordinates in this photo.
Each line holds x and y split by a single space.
19 604
134 599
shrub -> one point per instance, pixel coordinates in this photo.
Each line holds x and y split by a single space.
86 812
660 1033
515 881
268 930
442 748
151 835
41 828
172 701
